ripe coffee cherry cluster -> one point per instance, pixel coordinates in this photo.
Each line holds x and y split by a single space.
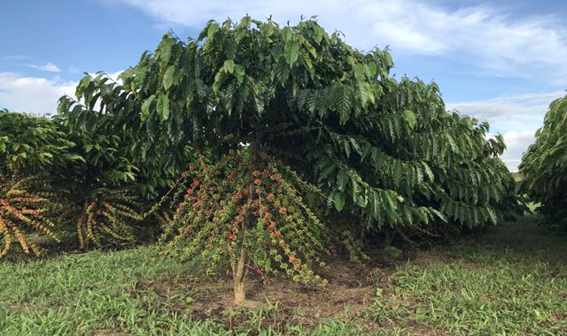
265 220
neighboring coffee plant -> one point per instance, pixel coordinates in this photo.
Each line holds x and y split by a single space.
118 142
23 212
107 213
544 166
251 217
110 187
32 150
32 144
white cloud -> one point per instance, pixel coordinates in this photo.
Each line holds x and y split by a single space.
516 144
515 117
523 104
36 94
74 70
32 94
520 113
16 58
492 41
45 67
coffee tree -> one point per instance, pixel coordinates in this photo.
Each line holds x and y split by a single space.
32 144
223 98
102 189
121 172
544 165
381 150
30 147
45 164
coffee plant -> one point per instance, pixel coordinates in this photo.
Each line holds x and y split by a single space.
380 150
31 148
107 213
117 142
33 144
23 211
544 166
87 171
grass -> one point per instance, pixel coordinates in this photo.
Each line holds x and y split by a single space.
511 280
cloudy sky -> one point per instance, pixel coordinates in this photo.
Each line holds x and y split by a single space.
503 61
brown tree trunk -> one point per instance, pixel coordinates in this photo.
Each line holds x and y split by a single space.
239 276
241 268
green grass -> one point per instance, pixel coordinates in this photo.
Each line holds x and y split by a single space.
98 293
511 280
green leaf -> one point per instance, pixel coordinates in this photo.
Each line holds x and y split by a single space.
355 146
410 118
359 72
389 60
165 48
83 84
213 28
163 107
291 52
146 107
245 22
363 93
228 66
339 201
342 179
168 77
286 33
239 74
318 34
344 103
391 208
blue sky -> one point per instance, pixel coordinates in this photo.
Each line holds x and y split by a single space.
503 61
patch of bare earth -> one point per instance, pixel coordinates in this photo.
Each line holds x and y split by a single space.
282 302
350 290
108 333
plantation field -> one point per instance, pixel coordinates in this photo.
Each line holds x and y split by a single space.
511 280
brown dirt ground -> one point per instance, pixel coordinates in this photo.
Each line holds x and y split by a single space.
350 290
282 302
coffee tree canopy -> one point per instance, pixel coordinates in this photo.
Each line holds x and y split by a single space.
383 149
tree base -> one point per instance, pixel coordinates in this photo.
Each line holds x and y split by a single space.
247 304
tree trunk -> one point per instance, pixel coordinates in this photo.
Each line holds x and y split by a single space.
239 276
239 293
241 268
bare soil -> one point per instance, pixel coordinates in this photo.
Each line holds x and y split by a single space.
279 303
